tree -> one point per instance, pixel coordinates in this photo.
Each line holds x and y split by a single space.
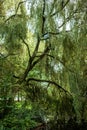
43 55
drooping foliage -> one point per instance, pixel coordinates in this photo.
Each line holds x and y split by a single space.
43 62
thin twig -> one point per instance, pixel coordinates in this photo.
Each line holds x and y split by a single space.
36 47
15 14
28 49
60 9
43 16
19 5
6 56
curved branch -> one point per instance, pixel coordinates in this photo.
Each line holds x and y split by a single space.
19 5
50 82
15 14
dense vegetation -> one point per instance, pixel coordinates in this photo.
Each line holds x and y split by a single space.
43 64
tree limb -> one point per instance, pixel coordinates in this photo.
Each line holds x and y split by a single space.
31 64
30 61
48 81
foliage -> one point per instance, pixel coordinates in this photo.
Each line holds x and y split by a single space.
43 62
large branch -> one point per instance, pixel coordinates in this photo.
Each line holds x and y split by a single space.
48 81
31 65
31 58
32 62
